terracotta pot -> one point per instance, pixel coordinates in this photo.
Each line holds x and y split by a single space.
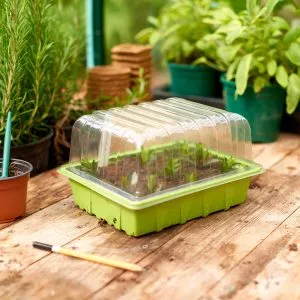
13 191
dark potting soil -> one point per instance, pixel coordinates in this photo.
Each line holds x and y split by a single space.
131 175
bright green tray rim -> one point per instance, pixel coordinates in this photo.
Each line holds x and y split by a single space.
252 169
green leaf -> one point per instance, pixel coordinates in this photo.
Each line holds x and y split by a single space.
270 5
153 21
292 35
187 48
251 5
232 26
293 93
231 70
154 38
242 74
259 84
293 54
282 76
227 53
272 66
233 35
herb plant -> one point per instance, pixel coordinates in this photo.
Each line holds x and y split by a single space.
260 49
180 24
38 67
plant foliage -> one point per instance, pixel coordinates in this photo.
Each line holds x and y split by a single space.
180 24
256 47
38 66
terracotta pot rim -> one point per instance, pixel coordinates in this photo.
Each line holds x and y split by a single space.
20 162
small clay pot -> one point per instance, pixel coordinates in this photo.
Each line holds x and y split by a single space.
13 190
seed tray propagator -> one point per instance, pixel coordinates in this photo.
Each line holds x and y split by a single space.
146 167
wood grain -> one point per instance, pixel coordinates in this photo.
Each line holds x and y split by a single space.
271 270
270 154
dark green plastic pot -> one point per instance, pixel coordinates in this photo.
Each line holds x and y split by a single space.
263 110
193 80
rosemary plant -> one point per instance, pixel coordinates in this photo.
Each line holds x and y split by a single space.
38 66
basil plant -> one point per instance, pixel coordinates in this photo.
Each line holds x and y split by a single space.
180 24
258 48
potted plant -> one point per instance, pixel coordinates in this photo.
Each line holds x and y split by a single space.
260 54
37 60
13 190
180 24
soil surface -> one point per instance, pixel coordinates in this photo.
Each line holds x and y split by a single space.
131 175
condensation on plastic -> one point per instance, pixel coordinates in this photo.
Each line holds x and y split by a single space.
115 147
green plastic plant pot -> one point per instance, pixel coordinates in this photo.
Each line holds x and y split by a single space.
193 80
158 211
263 110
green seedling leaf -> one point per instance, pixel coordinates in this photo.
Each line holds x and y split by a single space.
242 74
152 183
124 181
293 54
190 177
272 67
173 166
146 155
282 76
227 164
293 93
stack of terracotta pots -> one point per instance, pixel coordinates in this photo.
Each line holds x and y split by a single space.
107 83
135 57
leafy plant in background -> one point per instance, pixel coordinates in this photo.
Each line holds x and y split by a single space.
37 67
259 48
180 24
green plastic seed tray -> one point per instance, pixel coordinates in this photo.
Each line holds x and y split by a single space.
147 167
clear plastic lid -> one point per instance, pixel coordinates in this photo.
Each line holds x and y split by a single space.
154 147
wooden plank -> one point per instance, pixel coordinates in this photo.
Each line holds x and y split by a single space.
44 190
270 271
206 251
290 165
80 278
104 241
58 224
274 152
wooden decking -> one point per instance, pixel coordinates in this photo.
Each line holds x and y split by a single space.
251 251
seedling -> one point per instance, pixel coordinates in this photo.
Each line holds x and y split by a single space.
201 152
173 166
190 177
89 165
124 181
152 183
227 164
146 155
